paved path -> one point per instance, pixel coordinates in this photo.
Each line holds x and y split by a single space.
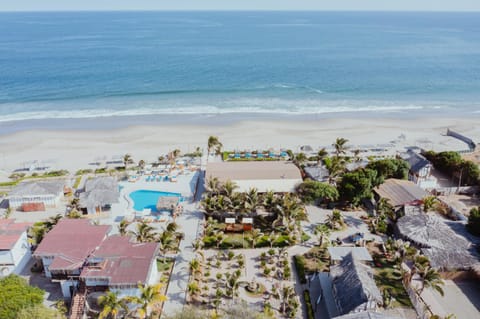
190 222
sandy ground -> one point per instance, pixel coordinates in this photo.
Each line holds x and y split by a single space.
75 149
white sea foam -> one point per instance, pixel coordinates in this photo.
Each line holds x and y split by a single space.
250 106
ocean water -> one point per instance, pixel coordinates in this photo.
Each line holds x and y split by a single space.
134 64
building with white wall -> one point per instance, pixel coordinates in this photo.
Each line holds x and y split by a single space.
276 176
45 193
14 247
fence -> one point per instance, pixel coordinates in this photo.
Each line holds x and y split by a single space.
421 308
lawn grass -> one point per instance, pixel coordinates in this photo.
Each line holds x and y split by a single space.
387 277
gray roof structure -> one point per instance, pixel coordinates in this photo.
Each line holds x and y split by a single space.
317 173
445 249
365 315
100 191
358 253
167 203
354 287
417 161
400 192
38 188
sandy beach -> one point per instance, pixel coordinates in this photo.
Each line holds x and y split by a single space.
74 149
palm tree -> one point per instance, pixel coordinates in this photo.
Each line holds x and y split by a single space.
127 159
166 243
52 221
172 227
228 188
195 267
251 200
193 289
111 305
322 153
141 163
428 203
214 143
150 296
122 227
335 166
321 231
300 159
255 235
335 219
269 200
284 295
431 279
144 233
272 238
340 146
213 186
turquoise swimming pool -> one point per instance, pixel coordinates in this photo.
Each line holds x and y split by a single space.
143 199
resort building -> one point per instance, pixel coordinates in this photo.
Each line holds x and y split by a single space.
338 253
119 264
445 249
354 288
420 171
14 247
64 250
36 196
276 176
400 193
317 173
366 315
100 193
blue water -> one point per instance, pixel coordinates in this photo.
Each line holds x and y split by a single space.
143 199
82 65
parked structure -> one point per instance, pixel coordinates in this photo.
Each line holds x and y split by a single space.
41 194
100 193
14 247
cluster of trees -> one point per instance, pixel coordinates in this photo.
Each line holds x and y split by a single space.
144 306
453 165
352 187
19 300
221 199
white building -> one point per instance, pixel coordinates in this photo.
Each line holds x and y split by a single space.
14 247
420 170
45 193
276 176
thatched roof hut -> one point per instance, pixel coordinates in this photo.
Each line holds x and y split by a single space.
354 287
445 249
99 192
169 203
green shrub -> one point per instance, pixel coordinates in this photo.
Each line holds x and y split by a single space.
300 266
16 294
308 303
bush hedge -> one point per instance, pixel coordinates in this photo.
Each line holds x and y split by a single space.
300 266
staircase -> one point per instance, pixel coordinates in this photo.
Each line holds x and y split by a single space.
78 303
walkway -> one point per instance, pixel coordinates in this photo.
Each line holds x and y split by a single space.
190 222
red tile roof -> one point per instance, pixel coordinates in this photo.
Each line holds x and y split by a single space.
124 262
10 232
71 241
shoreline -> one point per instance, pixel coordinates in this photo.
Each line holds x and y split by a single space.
207 119
72 149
